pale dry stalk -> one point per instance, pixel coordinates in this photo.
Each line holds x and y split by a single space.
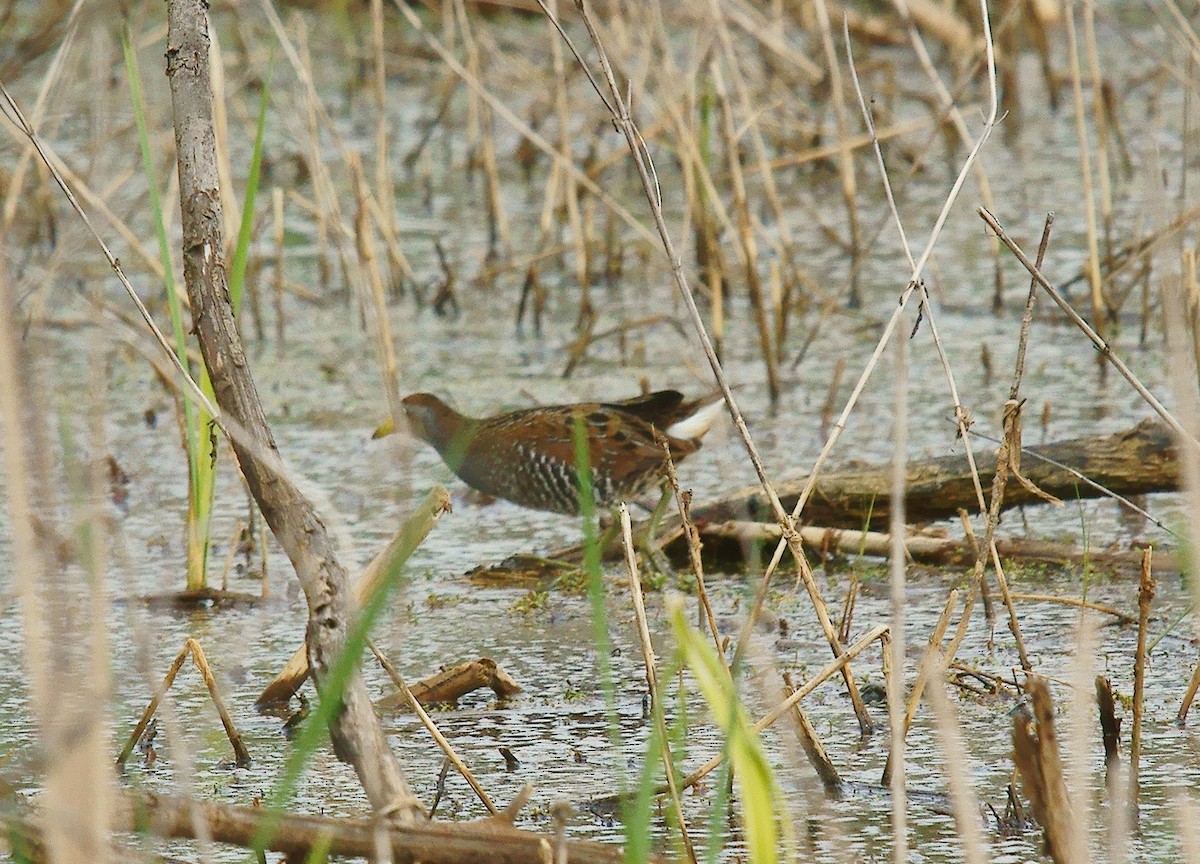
620 110
656 707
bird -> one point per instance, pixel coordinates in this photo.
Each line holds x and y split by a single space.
528 456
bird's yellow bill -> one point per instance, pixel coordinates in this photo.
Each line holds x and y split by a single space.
387 427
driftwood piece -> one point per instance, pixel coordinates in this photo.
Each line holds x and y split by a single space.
450 684
356 732
1132 462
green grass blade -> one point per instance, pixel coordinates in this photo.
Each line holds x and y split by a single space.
241 252
198 441
758 792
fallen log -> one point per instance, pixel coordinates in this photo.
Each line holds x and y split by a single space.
1132 462
490 841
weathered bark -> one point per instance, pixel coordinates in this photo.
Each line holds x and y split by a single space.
357 735
1136 461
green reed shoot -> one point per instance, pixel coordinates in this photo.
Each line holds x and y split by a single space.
759 795
200 441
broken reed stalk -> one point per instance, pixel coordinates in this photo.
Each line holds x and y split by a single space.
845 152
656 706
1104 348
1146 589
191 648
683 500
895 649
1122 618
620 110
384 185
357 734
1037 757
385 349
1100 117
1099 312
933 648
432 728
747 242
831 669
570 190
499 241
811 744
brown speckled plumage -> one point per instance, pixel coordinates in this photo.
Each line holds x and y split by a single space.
528 456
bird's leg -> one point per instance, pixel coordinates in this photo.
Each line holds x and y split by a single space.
610 526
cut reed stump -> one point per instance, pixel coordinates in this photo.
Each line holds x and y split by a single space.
1132 462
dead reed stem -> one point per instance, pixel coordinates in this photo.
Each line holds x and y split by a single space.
382 329
1096 339
879 632
656 706
845 152
683 500
1099 311
620 110
893 322
432 729
1146 589
896 645
748 244
191 648
1100 117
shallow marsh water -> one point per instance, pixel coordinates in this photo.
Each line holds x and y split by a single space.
322 395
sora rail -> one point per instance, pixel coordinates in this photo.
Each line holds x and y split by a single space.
528 456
